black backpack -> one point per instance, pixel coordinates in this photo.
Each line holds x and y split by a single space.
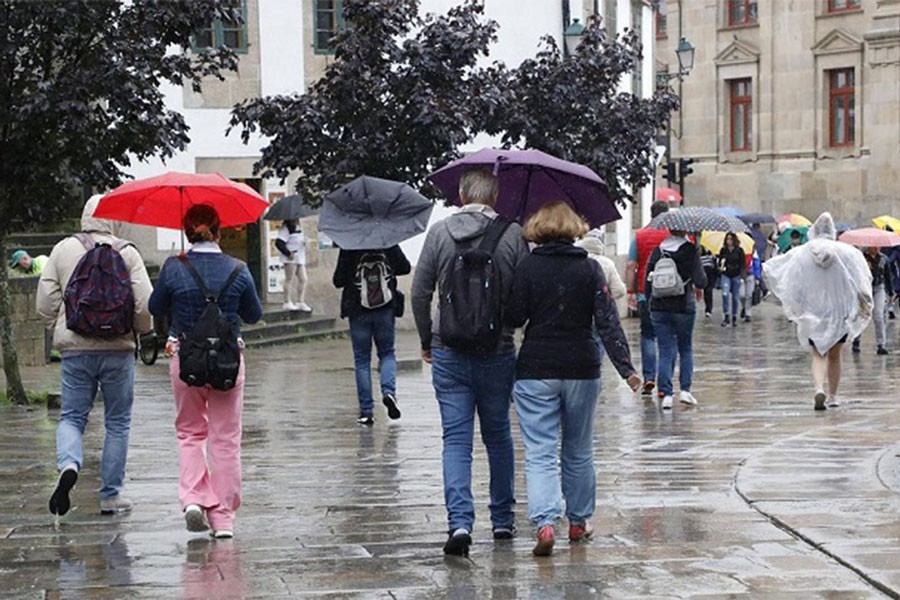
471 320
209 355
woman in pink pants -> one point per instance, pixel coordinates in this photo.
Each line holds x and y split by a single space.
207 421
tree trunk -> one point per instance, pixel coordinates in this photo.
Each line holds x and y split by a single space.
14 389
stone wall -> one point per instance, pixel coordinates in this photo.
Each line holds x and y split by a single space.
28 331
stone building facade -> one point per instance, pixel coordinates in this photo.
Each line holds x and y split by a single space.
792 106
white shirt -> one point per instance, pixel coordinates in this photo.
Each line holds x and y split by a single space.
296 244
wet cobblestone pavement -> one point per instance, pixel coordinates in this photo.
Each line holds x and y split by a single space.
751 494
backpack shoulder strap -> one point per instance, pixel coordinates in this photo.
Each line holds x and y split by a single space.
190 269
86 241
120 245
491 238
235 272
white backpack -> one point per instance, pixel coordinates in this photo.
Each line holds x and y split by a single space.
666 280
373 276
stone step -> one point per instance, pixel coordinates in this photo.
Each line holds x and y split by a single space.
268 328
299 338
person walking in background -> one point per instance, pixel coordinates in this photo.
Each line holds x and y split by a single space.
94 358
558 369
752 281
644 243
292 245
593 244
24 265
825 288
732 265
371 301
673 311
882 295
473 364
207 419
710 267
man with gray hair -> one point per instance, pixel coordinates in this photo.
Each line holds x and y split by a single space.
468 379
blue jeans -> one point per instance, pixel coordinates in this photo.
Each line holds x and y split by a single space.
377 325
465 385
543 405
675 333
648 342
82 374
731 290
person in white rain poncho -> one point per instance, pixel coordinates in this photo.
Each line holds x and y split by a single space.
825 288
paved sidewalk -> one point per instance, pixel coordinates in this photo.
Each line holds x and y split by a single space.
751 494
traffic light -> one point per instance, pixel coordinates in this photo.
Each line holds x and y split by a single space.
671 173
684 168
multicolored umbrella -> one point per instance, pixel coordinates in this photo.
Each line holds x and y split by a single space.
887 221
870 236
163 200
669 195
528 180
795 220
695 219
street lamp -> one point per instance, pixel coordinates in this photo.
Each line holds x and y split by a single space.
685 54
572 37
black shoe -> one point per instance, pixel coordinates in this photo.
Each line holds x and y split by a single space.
855 348
391 403
747 319
743 313
882 351
458 543
892 316
59 501
366 420
505 533
734 321
726 321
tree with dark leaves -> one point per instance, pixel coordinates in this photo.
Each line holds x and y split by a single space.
573 107
398 101
80 99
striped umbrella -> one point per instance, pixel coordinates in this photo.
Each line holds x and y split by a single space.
695 219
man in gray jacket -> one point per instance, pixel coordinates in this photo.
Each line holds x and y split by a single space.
92 362
465 383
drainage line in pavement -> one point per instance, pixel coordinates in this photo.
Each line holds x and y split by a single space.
881 587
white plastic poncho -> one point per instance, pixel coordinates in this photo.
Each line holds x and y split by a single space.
825 287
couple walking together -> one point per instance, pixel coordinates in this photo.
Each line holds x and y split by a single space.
555 379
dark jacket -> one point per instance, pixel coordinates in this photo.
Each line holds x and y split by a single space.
443 242
690 267
735 261
881 272
563 296
345 276
178 297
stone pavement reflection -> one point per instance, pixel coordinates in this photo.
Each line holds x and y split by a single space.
751 494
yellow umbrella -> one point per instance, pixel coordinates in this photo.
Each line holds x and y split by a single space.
714 240
887 221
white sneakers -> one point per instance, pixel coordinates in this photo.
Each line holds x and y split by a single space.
222 534
115 505
195 518
683 397
302 307
289 306
832 402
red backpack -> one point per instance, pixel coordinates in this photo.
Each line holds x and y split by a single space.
99 298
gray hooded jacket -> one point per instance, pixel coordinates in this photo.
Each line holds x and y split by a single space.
55 277
466 228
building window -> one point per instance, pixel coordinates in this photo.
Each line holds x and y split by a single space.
741 116
662 25
843 5
225 34
741 12
329 19
842 107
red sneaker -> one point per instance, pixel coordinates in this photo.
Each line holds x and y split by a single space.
546 537
580 532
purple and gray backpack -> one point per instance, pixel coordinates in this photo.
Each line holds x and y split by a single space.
99 299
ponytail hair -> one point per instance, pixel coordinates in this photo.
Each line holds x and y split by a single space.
201 224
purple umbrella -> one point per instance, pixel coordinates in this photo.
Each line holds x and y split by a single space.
529 179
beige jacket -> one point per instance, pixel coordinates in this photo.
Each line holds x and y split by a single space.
594 248
65 256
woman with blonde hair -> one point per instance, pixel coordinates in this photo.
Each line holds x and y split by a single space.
558 369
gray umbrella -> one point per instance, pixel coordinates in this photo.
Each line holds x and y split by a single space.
289 208
370 213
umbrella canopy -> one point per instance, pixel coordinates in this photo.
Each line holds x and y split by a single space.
870 236
795 220
784 239
696 219
731 211
528 180
887 221
760 218
715 240
843 226
161 201
370 214
289 208
669 195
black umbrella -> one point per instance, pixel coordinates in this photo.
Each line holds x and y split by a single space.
370 213
289 208
754 218
695 219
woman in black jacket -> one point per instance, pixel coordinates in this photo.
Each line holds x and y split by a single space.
562 296
371 301
732 266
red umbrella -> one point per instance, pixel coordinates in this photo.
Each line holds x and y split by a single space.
161 201
870 236
669 195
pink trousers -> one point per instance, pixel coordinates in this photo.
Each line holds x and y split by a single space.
208 425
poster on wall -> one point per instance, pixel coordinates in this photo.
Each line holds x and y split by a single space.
275 270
